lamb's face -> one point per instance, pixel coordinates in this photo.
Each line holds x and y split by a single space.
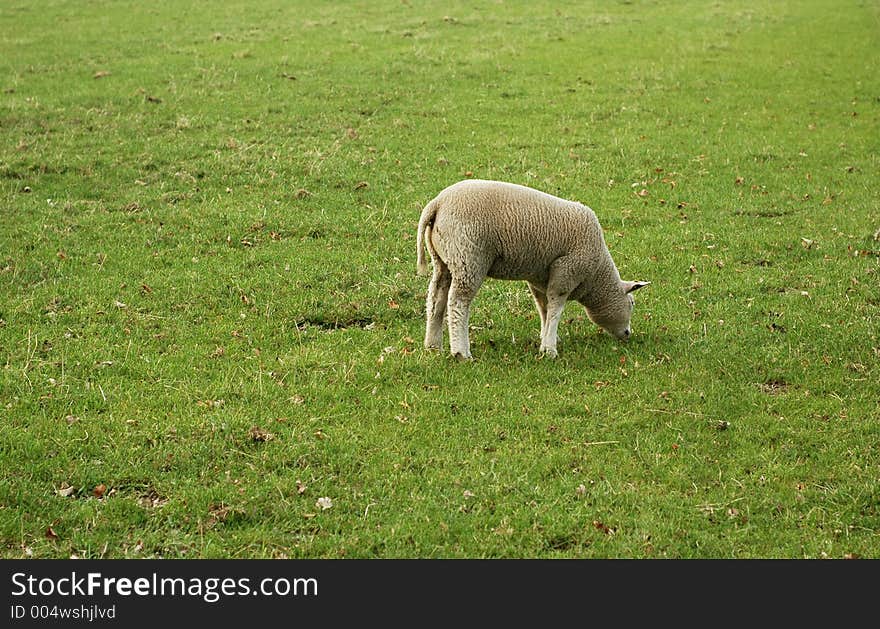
616 312
615 316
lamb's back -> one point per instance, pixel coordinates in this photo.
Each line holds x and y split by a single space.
525 229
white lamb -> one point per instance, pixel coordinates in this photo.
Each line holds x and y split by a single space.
476 229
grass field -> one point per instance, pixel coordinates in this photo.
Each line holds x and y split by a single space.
211 325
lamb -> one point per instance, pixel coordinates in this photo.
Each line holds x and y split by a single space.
476 229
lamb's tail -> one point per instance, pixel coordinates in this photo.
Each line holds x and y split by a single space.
423 236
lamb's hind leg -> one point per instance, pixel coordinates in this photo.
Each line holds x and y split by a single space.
461 294
438 292
540 298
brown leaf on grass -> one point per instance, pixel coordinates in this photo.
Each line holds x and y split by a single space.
361 185
100 74
774 386
300 487
302 193
259 435
51 534
65 490
152 499
864 253
145 289
99 490
219 513
503 529
603 527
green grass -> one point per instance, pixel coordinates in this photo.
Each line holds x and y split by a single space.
209 307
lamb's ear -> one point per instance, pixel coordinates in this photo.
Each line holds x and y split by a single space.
629 287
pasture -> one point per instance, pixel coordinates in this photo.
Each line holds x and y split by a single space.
211 325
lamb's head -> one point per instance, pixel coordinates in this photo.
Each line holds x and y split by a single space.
613 310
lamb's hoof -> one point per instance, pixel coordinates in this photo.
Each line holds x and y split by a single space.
462 358
549 352
432 348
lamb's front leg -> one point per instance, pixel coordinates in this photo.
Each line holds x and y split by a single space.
565 275
555 306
